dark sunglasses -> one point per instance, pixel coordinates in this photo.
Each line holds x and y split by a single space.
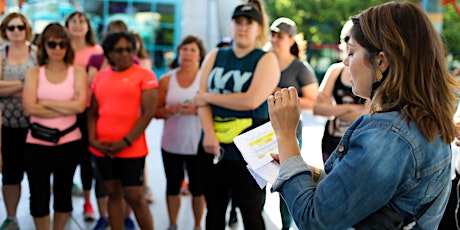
121 50
53 44
20 28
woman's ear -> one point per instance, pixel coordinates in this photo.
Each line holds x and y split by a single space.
382 62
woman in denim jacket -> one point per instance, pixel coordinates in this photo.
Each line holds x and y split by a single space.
398 156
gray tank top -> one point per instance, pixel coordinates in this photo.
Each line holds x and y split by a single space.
12 111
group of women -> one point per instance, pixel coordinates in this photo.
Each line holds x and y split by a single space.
44 93
390 168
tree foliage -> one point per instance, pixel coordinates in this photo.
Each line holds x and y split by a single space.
451 30
322 20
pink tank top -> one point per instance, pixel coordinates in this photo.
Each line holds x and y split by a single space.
63 91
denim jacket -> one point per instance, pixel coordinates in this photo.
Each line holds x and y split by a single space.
381 160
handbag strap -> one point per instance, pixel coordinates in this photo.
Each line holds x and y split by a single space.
68 130
411 222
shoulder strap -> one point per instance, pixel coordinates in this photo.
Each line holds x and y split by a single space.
70 129
411 222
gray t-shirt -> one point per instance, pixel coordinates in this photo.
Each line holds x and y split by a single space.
298 75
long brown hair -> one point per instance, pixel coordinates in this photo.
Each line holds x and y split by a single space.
417 82
90 38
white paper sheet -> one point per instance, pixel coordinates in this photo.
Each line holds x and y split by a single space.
256 146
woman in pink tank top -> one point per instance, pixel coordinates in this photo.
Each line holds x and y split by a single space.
53 94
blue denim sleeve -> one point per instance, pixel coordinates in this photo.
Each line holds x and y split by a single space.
290 168
360 182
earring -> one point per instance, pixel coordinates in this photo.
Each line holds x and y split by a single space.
378 75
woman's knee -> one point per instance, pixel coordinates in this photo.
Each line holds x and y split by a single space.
134 196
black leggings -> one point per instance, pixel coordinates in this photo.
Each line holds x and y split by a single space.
14 154
41 162
219 180
86 168
174 169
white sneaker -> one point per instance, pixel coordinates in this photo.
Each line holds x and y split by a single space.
10 224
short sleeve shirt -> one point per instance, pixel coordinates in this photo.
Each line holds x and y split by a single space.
297 74
119 98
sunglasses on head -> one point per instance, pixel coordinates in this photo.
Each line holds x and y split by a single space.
20 27
120 50
53 44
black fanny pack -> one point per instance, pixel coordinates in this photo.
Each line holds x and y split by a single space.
49 134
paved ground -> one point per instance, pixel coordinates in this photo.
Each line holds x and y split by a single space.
312 134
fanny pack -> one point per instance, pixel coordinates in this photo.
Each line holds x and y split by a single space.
228 128
49 134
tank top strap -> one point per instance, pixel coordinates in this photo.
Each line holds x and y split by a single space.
41 74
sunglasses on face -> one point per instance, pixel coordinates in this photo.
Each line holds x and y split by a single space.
53 44
120 50
12 28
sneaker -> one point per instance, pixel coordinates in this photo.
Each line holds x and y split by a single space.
76 190
172 227
129 224
233 220
148 194
88 212
102 224
10 224
184 188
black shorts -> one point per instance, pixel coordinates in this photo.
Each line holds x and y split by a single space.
130 171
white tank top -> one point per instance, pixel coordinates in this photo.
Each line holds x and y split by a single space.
181 133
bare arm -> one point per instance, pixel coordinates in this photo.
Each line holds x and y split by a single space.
103 147
29 97
323 105
210 142
309 95
265 79
348 112
161 111
148 106
9 88
92 71
78 103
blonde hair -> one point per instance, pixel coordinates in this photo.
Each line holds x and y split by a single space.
417 83
262 39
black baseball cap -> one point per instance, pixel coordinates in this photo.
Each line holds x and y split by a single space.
284 25
247 10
